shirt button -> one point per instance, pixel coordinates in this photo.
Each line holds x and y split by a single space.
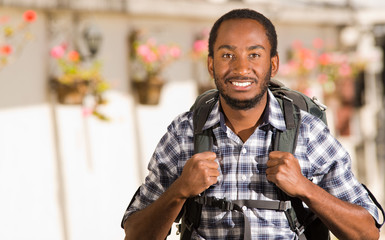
244 177
244 150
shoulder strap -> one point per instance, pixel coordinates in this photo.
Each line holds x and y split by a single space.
201 109
287 141
311 105
203 141
302 221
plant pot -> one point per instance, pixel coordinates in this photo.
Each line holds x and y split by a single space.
72 93
149 91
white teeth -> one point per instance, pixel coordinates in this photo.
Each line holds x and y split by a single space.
241 84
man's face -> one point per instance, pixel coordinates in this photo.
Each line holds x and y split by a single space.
241 64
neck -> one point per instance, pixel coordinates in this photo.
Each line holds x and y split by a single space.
244 122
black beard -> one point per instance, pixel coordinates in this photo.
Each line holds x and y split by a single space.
237 104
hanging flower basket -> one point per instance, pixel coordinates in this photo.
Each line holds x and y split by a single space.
72 93
199 54
149 92
78 82
148 60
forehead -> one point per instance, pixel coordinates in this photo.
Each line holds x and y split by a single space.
242 31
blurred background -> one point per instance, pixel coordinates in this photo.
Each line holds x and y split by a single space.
88 87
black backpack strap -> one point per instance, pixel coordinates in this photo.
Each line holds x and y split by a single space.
203 141
301 221
311 105
192 211
237 205
287 141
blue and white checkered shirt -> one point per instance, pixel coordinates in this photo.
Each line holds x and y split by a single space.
243 165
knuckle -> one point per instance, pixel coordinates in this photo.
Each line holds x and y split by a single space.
288 155
207 181
200 164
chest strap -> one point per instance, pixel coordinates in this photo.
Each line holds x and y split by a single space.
238 205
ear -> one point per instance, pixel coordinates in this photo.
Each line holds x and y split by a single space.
274 65
210 66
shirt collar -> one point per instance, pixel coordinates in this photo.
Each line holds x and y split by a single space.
272 115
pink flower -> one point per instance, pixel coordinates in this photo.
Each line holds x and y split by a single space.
200 46
324 59
143 50
150 57
58 51
307 57
29 16
309 63
305 54
153 57
6 49
345 70
146 54
86 112
175 52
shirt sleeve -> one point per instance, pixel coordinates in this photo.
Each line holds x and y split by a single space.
331 166
164 166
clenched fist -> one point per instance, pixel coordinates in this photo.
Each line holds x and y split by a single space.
199 173
284 171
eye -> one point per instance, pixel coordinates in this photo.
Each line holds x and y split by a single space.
228 55
255 55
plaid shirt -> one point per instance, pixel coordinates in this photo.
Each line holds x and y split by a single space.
242 165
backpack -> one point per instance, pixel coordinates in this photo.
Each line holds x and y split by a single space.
301 220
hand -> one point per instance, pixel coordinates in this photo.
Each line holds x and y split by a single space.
284 171
199 173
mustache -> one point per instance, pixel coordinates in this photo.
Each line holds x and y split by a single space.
228 79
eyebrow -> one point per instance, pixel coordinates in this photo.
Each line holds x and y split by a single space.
230 47
256 47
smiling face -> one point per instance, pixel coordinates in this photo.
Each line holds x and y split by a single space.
241 64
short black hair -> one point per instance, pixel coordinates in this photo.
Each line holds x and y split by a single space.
248 14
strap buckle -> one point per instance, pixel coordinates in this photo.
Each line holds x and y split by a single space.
287 98
226 205
299 230
284 205
223 203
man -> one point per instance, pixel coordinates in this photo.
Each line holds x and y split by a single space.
242 59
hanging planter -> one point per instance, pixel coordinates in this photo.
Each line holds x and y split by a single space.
78 80
71 93
149 91
199 54
148 60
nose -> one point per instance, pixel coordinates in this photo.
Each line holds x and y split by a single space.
241 66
